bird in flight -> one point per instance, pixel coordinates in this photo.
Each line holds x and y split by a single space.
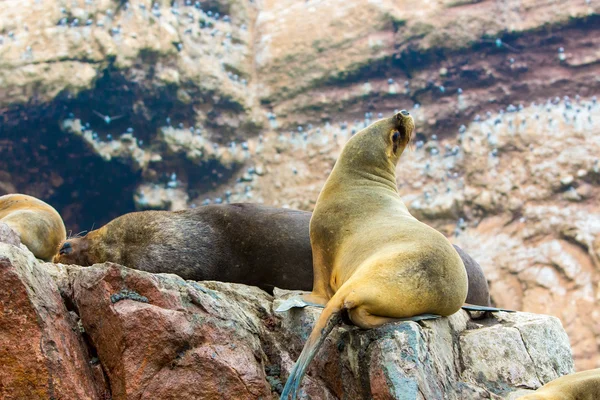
107 118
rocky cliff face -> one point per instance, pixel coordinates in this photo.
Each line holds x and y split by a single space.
107 331
174 104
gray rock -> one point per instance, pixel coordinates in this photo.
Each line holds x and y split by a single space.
447 358
8 235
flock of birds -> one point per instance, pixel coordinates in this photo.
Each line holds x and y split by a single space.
433 157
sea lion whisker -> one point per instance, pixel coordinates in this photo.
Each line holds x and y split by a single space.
77 235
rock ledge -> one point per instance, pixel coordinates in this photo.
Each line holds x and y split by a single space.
125 334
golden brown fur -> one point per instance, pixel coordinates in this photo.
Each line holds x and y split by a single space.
580 386
38 224
371 258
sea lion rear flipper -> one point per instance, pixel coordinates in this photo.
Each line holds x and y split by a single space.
295 302
329 318
472 307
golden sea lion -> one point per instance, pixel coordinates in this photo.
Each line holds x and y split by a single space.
580 386
38 224
372 260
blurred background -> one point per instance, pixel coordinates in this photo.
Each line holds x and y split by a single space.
109 106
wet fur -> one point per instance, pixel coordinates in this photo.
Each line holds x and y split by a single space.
241 243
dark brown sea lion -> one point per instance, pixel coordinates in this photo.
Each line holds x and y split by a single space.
479 291
38 224
241 243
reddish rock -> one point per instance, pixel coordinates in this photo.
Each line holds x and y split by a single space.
42 354
156 336
159 337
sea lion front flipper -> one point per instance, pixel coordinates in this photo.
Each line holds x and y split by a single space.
420 317
472 307
296 302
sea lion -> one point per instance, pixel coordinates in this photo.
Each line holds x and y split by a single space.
372 260
479 291
39 225
580 386
145 240
241 243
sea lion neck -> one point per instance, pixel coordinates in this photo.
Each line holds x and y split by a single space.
365 158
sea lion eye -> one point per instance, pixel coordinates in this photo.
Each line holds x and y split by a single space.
66 248
395 136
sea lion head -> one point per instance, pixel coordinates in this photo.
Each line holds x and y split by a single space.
400 135
379 146
78 250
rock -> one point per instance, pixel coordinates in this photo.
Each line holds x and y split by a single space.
42 353
158 336
8 235
155 197
451 358
186 341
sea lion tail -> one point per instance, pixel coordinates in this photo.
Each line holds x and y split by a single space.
330 317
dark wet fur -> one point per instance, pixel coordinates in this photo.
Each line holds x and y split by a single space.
479 292
241 243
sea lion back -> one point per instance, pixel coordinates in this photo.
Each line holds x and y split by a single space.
39 225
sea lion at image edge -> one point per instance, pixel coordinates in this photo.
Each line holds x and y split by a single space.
145 241
39 225
373 261
583 385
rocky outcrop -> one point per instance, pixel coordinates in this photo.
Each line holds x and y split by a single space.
125 334
42 351
175 104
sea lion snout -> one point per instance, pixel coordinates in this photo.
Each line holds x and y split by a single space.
66 248
405 124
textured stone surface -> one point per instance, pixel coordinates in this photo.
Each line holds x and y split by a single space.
8 235
154 336
453 358
185 341
42 352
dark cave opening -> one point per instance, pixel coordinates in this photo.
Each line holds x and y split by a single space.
208 177
42 161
